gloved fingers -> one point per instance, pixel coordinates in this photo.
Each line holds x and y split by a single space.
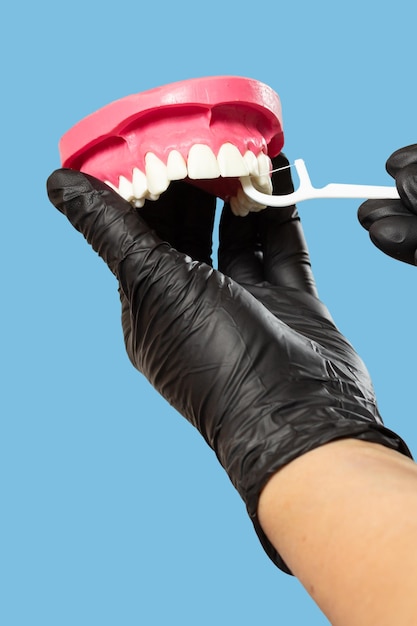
406 180
392 228
240 246
109 223
183 216
392 224
269 245
397 237
372 211
402 165
161 215
285 253
401 158
196 211
239 253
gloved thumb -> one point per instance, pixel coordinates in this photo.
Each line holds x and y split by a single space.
109 223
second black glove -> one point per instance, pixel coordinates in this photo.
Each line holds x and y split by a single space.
392 224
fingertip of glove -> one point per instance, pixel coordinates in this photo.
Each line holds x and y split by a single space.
65 184
400 159
393 237
373 211
64 177
367 213
407 186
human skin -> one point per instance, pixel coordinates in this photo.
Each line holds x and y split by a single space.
344 518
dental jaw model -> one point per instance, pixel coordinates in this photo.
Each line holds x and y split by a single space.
210 131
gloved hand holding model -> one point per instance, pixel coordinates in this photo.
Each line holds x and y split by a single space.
247 354
392 224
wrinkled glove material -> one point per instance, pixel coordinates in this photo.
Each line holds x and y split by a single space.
262 372
392 224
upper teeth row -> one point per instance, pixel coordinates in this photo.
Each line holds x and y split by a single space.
201 163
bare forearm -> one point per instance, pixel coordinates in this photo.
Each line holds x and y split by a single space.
344 518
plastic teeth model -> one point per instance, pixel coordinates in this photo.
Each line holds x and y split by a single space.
211 131
201 164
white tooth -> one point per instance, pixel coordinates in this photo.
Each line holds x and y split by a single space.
152 196
176 166
125 188
138 203
139 183
156 174
202 163
255 208
263 182
251 163
231 162
236 207
264 164
242 205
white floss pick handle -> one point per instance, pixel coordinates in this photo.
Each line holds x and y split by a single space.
306 191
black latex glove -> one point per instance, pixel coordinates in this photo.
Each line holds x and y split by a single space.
259 369
184 216
392 224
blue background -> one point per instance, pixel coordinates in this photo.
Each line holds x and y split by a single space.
113 510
